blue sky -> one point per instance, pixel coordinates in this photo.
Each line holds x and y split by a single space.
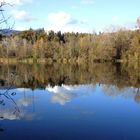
74 15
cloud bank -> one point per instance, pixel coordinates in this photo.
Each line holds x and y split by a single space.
22 15
65 22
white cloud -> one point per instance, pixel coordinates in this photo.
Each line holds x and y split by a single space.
22 15
17 2
25 101
61 18
65 22
19 14
23 89
9 115
66 93
87 2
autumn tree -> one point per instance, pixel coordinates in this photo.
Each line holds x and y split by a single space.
121 41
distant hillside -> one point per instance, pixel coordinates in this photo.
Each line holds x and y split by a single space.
8 32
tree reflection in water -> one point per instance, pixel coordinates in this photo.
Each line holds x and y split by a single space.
6 94
10 106
114 80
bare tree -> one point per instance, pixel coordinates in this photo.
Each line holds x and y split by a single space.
4 18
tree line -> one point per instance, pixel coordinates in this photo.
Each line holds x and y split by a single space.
72 47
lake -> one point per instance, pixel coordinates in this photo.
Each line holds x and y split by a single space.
69 102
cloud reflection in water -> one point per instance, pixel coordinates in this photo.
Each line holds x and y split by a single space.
13 106
65 93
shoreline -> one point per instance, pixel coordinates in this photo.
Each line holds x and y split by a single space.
78 61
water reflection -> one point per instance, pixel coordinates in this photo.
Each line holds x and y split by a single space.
112 90
69 102
65 93
82 110
12 103
38 76
15 103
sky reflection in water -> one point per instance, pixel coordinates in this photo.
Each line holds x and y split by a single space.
70 112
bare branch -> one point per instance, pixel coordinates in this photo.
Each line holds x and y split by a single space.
4 18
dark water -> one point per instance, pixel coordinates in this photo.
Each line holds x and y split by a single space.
69 103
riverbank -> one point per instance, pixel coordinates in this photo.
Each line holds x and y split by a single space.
79 61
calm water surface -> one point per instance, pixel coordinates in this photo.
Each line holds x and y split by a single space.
69 109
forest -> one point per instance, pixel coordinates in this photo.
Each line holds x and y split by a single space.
32 46
41 46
